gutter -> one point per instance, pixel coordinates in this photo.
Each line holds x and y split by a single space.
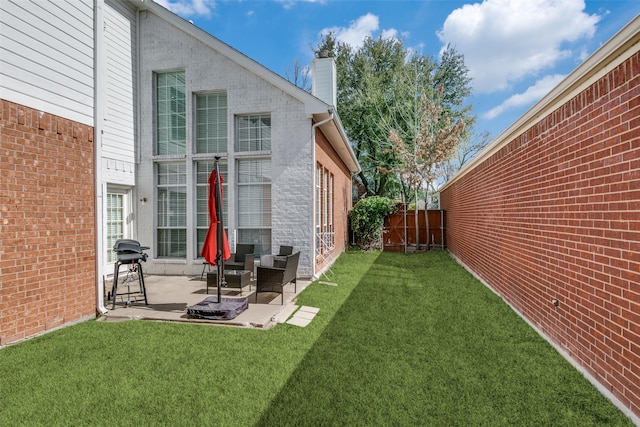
98 120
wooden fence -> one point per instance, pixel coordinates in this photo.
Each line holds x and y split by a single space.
399 233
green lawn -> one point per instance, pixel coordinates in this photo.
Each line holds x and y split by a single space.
403 340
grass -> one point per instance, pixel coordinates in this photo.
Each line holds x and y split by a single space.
402 340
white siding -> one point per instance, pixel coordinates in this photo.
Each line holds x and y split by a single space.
47 56
118 138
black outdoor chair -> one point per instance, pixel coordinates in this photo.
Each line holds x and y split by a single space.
242 259
273 279
278 260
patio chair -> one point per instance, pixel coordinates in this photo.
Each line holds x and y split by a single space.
277 260
242 259
273 279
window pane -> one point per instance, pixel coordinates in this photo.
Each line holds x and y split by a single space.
115 224
261 238
254 203
172 243
211 123
172 210
254 132
171 124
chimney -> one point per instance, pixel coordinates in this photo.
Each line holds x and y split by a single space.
323 83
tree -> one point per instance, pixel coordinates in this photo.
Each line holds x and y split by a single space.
425 145
300 76
465 151
378 83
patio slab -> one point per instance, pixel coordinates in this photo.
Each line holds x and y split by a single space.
169 296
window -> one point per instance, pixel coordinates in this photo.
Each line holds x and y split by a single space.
203 171
325 233
115 224
172 210
211 123
254 204
171 130
318 208
254 132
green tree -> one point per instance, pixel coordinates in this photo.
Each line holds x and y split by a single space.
378 85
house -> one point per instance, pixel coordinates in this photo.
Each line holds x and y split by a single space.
110 131
548 216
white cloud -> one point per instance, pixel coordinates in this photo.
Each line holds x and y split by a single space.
504 41
528 97
288 4
358 30
389 34
186 8
355 34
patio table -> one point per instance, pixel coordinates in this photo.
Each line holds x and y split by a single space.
234 278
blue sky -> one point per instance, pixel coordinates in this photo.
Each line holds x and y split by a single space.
516 50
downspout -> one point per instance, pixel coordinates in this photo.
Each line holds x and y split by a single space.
98 120
314 201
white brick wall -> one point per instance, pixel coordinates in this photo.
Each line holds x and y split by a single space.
164 47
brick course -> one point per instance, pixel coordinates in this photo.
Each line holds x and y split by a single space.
555 214
47 222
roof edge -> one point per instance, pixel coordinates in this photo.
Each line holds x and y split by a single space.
335 129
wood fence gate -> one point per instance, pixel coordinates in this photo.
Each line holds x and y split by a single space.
399 234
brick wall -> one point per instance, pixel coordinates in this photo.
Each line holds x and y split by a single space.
555 214
330 160
47 222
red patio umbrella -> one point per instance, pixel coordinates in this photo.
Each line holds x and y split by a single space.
216 246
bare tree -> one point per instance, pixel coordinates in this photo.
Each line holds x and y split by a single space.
300 75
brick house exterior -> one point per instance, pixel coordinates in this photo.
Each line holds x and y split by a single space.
304 133
80 163
548 216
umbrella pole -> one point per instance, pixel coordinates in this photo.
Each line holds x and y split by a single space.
220 275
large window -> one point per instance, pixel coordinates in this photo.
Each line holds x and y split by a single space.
211 123
203 171
254 132
172 210
171 115
254 204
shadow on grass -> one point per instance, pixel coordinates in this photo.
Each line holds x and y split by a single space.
419 341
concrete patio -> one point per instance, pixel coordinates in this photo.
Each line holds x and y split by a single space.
169 296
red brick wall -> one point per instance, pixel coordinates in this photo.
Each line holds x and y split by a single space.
329 159
47 222
555 214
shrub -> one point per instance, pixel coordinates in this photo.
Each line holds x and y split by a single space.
367 220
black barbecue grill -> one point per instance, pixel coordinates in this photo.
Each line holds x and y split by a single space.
130 254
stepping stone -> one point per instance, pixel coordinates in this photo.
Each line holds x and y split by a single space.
298 321
285 313
303 316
